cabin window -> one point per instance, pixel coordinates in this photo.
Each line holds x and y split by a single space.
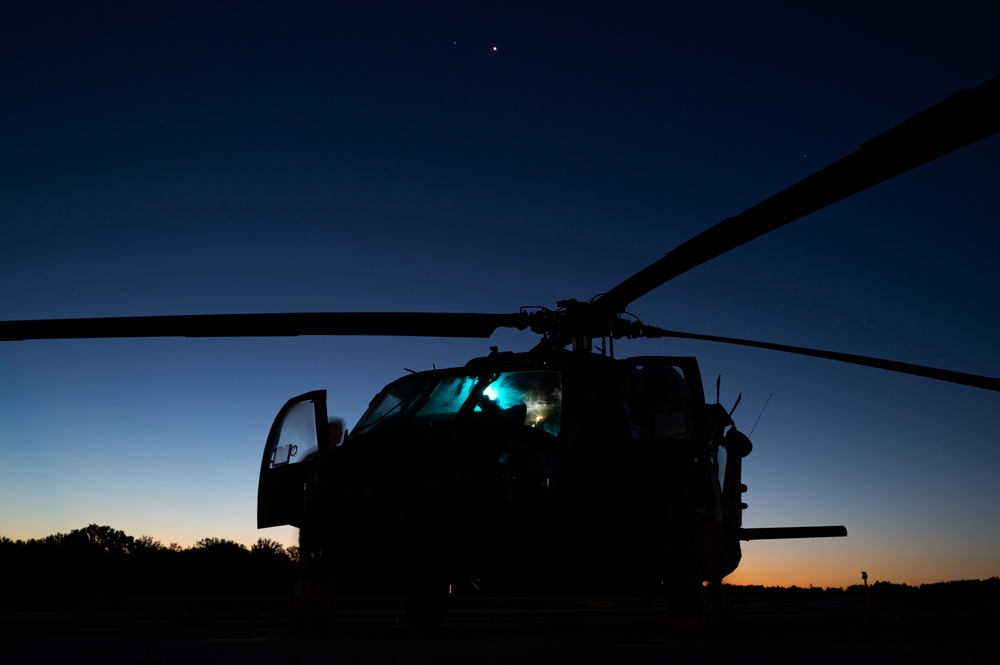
658 403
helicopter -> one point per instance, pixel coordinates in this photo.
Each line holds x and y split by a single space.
485 475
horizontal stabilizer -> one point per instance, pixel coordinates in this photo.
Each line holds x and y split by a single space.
779 532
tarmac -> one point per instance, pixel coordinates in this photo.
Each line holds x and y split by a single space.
522 631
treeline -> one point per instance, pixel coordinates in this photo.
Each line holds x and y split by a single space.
101 561
976 592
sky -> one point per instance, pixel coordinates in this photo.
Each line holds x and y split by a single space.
228 157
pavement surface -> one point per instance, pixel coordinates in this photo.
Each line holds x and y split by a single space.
249 631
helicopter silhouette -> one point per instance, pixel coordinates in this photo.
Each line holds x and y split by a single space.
560 468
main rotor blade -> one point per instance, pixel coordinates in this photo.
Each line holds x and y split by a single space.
960 120
962 378
417 324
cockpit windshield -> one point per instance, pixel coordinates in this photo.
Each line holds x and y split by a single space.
390 406
529 398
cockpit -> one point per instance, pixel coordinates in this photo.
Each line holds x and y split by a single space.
532 398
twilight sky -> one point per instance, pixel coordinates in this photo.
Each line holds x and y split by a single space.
223 157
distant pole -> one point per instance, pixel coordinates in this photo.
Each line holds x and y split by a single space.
864 578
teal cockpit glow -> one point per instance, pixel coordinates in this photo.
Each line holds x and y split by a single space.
530 398
537 393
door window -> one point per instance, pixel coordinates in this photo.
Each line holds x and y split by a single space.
296 440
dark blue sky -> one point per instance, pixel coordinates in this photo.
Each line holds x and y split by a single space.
178 158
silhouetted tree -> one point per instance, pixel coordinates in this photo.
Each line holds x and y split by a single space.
101 561
147 544
268 547
99 540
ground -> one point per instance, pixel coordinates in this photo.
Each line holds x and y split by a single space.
163 631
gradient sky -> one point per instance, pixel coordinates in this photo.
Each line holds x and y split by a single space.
188 158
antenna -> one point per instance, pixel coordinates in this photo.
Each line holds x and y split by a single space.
766 402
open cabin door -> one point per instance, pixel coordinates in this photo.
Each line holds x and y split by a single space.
298 434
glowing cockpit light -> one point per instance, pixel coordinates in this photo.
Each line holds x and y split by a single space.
491 393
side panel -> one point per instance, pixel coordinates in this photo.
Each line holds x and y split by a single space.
297 436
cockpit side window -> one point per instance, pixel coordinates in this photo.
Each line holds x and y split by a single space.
534 398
